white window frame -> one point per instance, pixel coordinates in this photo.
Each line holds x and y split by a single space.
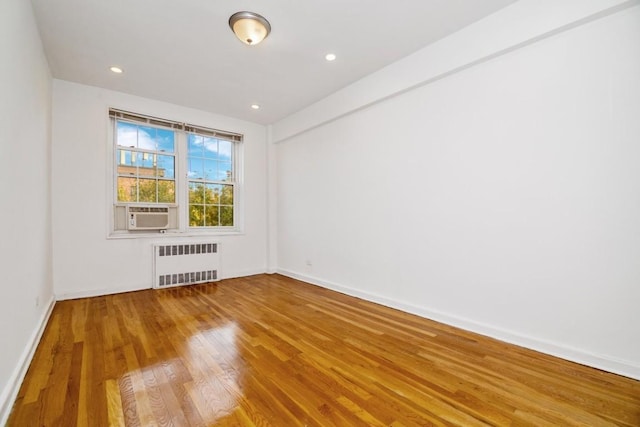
204 181
143 151
181 204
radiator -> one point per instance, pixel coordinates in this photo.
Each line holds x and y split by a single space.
177 265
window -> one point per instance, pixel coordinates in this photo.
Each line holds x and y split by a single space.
146 163
211 181
149 154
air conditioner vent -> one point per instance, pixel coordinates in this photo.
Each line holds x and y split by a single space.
148 209
147 217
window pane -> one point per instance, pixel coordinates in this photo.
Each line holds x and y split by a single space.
146 138
211 216
127 189
145 163
196 216
211 148
166 140
225 150
124 157
226 195
125 163
147 190
196 170
226 216
210 170
166 168
166 191
195 145
224 171
212 194
127 134
196 193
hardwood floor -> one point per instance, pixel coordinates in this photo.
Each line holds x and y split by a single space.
272 351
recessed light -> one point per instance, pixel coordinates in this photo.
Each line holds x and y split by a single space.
116 70
255 106
330 57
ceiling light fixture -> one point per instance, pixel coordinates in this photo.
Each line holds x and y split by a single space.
116 70
330 57
249 27
255 106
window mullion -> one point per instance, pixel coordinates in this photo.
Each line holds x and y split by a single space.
182 182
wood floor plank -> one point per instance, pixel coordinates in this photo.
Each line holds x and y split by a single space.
268 350
114 405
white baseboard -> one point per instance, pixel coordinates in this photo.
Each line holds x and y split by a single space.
12 387
122 289
605 363
242 273
100 292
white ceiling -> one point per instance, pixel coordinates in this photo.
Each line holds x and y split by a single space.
183 52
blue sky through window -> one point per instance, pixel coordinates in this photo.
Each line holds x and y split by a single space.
135 136
145 137
209 158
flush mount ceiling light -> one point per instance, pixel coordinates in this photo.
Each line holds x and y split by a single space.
249 27
116 70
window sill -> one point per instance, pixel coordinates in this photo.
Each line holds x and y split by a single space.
115 235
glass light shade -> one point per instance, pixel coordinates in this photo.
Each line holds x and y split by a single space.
249 27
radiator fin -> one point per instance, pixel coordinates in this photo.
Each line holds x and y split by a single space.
185 264
190 249
187 278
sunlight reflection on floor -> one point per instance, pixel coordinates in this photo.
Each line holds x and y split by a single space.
203 377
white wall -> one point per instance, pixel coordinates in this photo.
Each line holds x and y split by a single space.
520 23
503 198
85 261
25 150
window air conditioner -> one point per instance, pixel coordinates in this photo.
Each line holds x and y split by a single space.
147 217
